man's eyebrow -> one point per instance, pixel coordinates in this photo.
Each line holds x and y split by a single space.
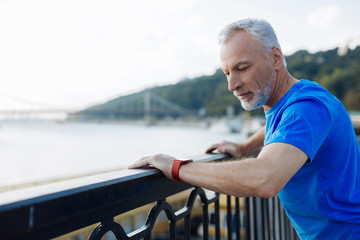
236 65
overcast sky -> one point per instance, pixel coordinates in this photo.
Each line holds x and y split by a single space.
75 53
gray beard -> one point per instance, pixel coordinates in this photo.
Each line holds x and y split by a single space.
260 97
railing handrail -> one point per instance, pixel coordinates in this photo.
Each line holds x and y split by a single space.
77 203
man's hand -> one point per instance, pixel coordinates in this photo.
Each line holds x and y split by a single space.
233 149
255 142
160 161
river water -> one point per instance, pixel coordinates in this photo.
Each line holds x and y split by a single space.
38 151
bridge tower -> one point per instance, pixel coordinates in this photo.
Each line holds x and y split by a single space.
147 107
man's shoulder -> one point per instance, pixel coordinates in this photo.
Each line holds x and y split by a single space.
306 90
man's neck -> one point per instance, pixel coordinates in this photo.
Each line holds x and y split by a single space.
281 86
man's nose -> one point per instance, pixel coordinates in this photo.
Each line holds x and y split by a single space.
234 83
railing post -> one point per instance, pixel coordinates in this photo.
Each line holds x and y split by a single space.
237 219
172 229
217 219
271 213
265 218
229 217
282 222
277 228
259 219
187 227
205 220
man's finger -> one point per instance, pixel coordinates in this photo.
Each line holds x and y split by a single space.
212 148
143 162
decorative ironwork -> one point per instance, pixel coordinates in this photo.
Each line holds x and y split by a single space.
49 211
173 217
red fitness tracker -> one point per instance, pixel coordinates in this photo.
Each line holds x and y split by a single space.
176 167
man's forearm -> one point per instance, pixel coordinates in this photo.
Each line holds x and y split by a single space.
263 176
242 178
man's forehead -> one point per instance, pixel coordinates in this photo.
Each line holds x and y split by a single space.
239 48
240 45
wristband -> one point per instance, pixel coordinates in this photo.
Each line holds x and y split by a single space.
176 168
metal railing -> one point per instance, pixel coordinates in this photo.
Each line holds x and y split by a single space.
49 211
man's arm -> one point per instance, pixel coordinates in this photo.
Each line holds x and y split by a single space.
263 176
255 142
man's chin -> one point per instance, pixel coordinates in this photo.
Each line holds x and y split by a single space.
249 106
246 105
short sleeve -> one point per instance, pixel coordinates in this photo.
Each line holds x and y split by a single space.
304 124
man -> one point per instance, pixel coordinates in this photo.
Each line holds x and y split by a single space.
310 155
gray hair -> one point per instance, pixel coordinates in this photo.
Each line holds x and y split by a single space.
260 30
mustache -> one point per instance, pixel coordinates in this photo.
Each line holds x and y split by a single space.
240 92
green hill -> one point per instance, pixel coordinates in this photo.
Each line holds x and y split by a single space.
339 74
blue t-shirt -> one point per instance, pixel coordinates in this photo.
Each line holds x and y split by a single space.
322 199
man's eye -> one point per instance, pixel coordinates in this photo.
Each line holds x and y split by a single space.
243 68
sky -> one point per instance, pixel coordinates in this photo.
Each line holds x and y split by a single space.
76 53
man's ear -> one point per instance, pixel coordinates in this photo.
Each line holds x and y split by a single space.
277 57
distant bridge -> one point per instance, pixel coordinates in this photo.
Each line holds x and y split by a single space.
145 105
